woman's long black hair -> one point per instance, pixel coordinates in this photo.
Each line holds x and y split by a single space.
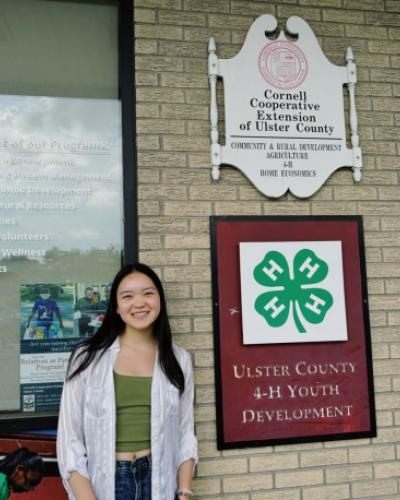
29 460
113 326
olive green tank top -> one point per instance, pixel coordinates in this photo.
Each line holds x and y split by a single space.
133 407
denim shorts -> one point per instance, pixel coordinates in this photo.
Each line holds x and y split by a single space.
133 479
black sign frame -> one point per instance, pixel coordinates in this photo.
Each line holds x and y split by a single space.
220 249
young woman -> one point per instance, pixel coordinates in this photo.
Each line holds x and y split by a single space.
125 428
20 471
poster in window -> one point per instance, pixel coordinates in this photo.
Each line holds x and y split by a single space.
61 238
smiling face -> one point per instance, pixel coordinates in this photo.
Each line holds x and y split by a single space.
138 302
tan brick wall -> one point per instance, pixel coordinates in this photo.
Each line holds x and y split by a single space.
177 195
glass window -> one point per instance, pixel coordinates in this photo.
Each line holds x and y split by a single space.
61 190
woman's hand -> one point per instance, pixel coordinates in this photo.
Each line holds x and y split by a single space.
184 494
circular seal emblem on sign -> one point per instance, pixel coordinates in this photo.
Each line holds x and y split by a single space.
283 65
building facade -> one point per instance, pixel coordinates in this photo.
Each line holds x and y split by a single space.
177 196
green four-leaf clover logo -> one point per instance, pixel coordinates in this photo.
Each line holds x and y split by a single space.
298 294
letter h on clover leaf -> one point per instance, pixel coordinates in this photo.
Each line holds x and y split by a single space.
283 291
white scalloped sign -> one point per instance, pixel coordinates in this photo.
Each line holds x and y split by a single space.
284 110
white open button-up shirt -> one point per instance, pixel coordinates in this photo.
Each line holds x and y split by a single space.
86 427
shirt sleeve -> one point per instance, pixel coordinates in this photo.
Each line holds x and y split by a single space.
188 441
71 449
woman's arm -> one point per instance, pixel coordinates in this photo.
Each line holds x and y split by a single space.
185 474
81 487
71 449
187 442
